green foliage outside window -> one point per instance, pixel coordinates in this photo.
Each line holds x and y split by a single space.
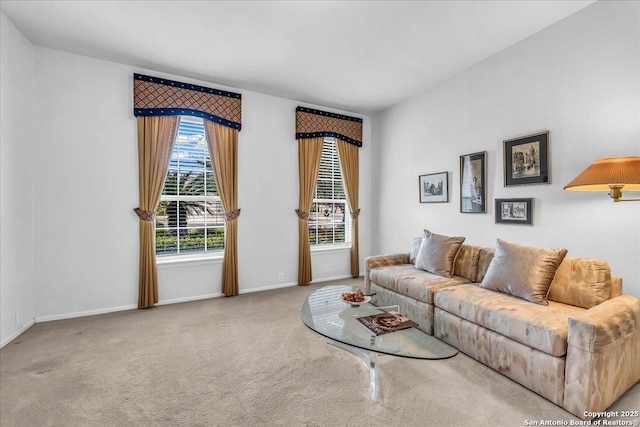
193 240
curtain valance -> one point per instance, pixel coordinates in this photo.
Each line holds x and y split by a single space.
312 123
153 96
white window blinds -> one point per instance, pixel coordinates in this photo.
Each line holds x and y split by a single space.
329 219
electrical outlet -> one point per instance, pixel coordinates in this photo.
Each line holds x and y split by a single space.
281 277
18 318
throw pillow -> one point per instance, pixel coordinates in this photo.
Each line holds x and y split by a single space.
523 271
438 253
581 282
415 247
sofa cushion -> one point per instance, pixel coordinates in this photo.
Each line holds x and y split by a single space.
544 328
581 282
466 264
438 253
484 260
616 286
415 247
405 279
523 271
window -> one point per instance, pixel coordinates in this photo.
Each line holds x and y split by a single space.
329 219
190 218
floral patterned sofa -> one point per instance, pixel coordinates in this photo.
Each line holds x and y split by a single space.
578 346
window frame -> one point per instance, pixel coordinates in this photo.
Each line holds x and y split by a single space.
197 255
346 244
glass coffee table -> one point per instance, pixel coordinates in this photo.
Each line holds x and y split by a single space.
326 313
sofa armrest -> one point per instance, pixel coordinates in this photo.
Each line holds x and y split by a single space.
381 261
603 355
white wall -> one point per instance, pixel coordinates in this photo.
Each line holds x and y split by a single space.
580 79
86 176
16 182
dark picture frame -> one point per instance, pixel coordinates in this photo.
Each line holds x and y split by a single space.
473 183
514 211
526 160
434 187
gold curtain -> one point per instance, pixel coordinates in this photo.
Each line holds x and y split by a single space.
350 165
309 153
156 136
223 147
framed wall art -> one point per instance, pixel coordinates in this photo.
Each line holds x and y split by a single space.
514 211
473 187
434 188
526 160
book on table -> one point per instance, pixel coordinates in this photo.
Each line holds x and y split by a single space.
383 323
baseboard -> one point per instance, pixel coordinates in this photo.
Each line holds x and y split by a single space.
84 313
121 308
291 284
269 287
172 301
248 291
17 333
328 279
188 299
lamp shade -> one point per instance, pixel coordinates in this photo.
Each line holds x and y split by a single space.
607 172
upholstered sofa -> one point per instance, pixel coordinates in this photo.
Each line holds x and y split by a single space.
579 348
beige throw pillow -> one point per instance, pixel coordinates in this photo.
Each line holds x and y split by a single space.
438 253
582 282
523 271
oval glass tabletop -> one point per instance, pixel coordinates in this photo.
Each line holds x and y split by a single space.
326 313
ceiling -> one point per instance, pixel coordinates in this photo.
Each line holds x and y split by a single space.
359 56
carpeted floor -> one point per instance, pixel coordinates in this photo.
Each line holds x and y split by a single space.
242 361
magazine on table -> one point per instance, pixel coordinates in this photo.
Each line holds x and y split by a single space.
383 323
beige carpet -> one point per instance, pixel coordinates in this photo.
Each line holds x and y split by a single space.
242 361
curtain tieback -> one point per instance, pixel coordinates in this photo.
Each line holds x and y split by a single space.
302 215
355 215
231 216
145 215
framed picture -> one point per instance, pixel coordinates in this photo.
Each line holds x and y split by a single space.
526 160
514 211
473 188
434 188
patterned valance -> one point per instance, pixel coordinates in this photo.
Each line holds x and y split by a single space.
153 96
314 123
